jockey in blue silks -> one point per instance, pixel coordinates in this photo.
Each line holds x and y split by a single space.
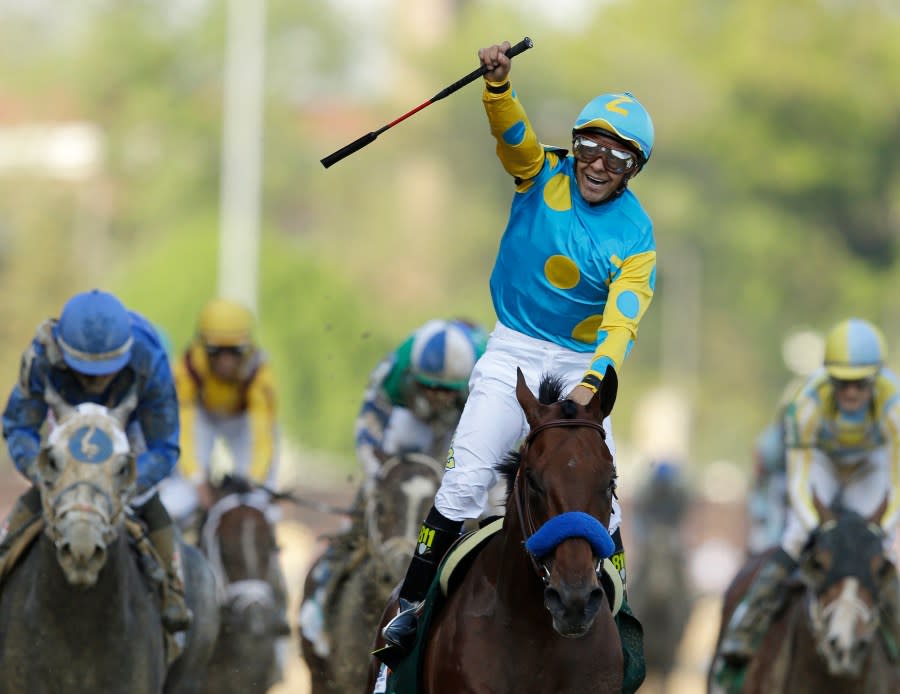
98 351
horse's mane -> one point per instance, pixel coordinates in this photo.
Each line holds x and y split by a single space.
235 485
550 391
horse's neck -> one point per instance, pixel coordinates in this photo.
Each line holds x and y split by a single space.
103 601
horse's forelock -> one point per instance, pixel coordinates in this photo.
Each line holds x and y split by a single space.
550 389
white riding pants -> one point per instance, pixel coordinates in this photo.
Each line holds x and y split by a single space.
862 491
493 422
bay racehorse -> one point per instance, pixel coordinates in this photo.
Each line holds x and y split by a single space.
530 615
374 560
839 615
77 613
239 542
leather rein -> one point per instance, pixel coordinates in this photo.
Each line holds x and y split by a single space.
526 521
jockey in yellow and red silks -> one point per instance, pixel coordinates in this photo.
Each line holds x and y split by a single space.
842 438
225 391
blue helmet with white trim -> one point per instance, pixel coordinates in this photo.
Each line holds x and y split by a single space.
443 355
94 333
622 117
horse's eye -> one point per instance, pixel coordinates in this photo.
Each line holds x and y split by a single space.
611 488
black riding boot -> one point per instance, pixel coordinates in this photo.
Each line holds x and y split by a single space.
435 537
176 615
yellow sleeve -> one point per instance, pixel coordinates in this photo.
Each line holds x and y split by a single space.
517 144
186 389
630 295
801 424
261 409
892 433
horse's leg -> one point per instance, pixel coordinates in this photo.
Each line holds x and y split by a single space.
188 672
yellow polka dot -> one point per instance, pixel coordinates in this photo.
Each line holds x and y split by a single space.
561 271
556 193
586 330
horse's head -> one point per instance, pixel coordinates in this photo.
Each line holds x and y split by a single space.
847 575
86 475
561 485
239 541
403 492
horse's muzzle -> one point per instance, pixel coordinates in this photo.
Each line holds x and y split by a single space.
573 607
81 549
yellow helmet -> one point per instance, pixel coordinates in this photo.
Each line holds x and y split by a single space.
854 349
225 323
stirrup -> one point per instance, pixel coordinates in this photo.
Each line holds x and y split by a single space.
399 634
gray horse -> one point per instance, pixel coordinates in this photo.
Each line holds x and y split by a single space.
372 563
77 614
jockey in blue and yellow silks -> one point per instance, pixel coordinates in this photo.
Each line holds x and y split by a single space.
842 438
99 352
574 274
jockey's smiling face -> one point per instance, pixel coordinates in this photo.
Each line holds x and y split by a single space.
601 165
852 396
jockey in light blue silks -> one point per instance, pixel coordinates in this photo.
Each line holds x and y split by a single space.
99 352
574 274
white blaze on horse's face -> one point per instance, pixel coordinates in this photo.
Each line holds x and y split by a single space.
844 627
86 472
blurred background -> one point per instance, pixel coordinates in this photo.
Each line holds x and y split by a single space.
169 151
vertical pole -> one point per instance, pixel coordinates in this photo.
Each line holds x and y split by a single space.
239 205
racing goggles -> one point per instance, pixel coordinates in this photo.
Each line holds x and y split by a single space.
856 383
213 351
617 161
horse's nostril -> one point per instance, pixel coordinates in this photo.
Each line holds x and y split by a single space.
65 550
98 555
552 600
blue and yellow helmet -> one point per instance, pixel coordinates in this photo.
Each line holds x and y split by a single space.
854 349
623 117
444 354
94 333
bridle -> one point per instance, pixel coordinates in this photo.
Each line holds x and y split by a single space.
526 520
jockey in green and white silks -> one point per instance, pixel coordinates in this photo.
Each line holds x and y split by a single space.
415 395
842 438
574 274
412 404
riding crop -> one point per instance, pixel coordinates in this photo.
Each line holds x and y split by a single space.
358 144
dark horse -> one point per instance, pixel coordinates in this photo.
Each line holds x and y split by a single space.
530 614
375 563
77 614
827 638
239 542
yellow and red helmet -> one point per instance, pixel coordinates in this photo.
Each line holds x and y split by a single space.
225 323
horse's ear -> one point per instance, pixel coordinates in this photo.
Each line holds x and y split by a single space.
602 403
825 513
879 512
123 410
526 398
48 470
55 402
